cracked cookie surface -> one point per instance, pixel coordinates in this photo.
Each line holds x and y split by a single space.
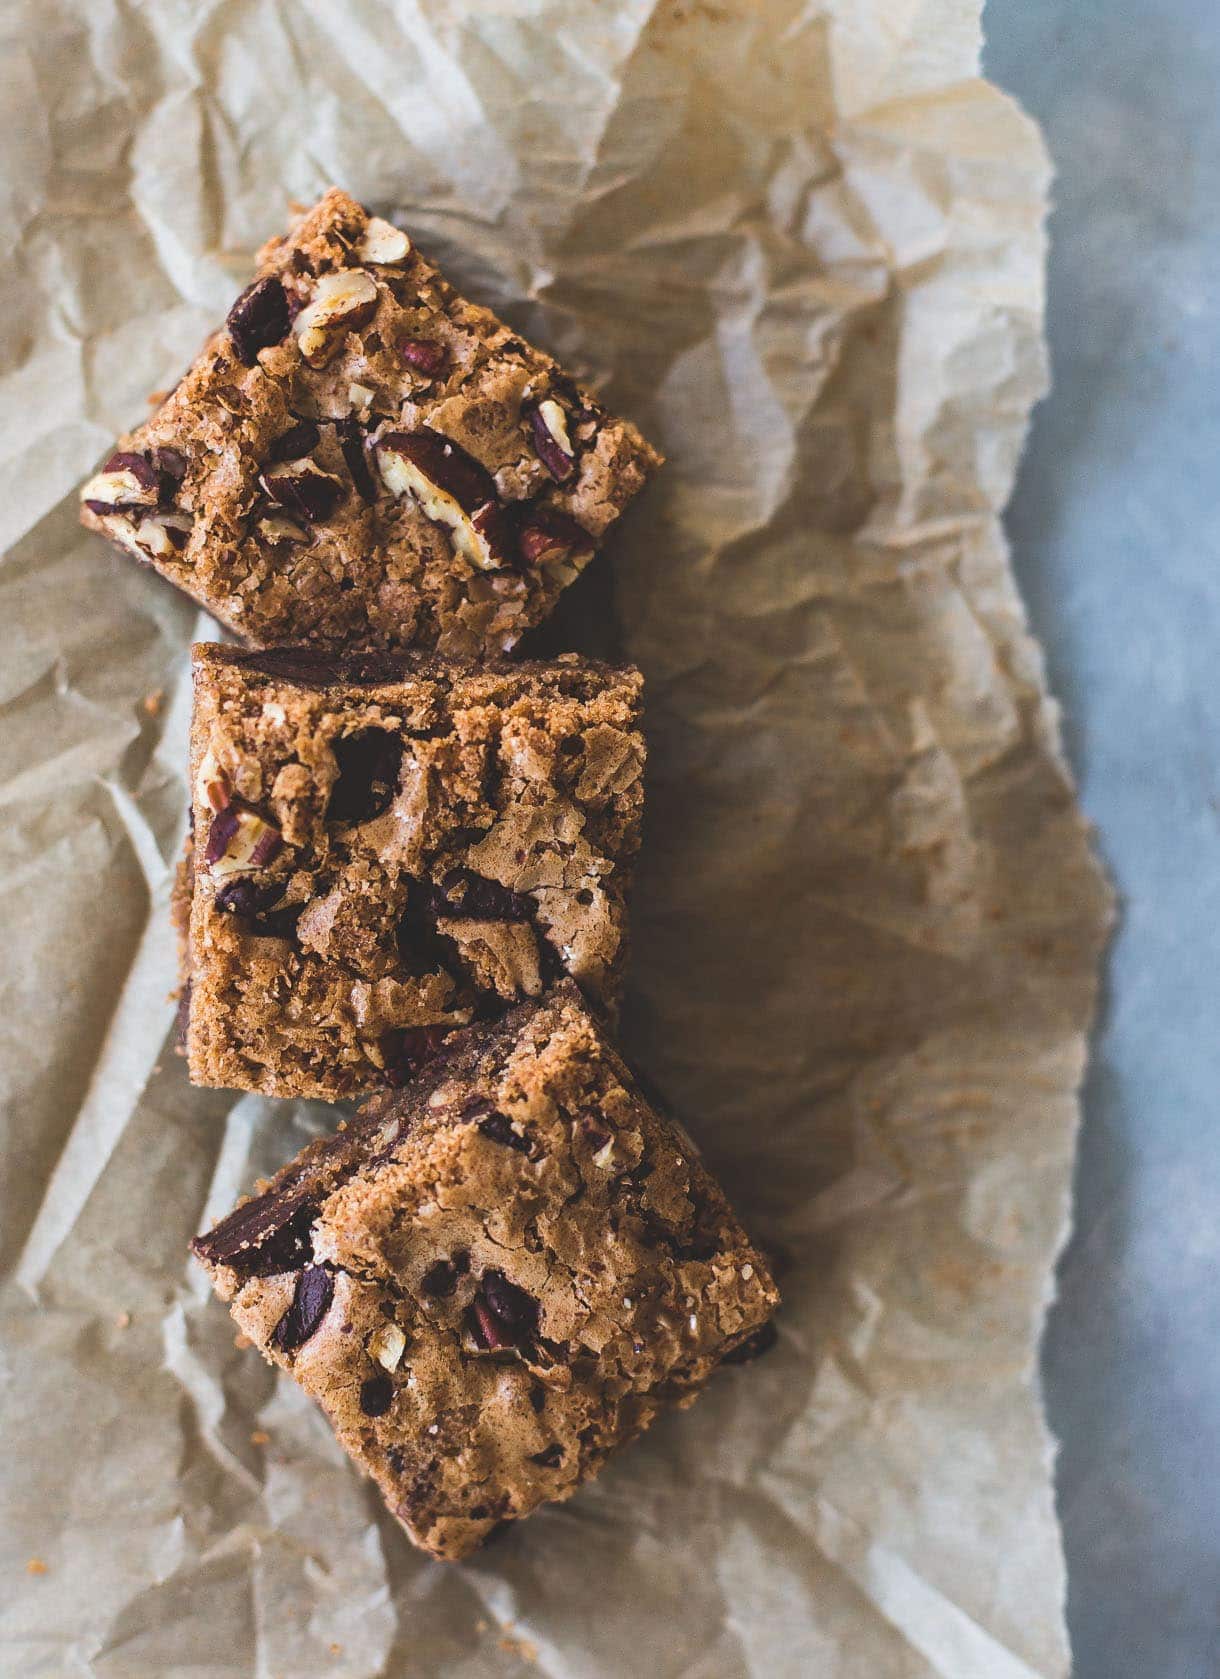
388 847
493 1278
361 458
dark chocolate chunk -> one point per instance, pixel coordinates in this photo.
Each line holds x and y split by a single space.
754 1346
310 1303
268 1234
241 897
351 441
258 319
551 1458
376 1396
501 1314
407 1048
466 896
512 1305
315 667
497 1127
369 767
298 440
439 1281
258 905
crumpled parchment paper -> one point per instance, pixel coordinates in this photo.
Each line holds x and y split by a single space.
801 242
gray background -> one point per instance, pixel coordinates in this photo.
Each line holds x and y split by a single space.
1116 532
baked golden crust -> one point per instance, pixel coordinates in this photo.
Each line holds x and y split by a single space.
272 485
494 1278
388 847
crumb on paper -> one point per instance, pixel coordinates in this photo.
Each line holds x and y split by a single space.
36 1566
123 1321
156 398
335 1649
242 1342
259 1437
152 703
515 1645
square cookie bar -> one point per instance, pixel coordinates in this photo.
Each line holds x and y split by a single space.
493 1278
362 459
389 846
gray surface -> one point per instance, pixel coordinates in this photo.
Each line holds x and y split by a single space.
1117 536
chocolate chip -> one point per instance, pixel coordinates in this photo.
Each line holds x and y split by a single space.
268 1235
258 319
315 667
310 1302
258 906
376 1396
242 897
502 1315
369 767
498 1129
351 441
512 1305
407 1048
551 1458
298 440
439 1281
466 896
754 1346
485 1328
538 1397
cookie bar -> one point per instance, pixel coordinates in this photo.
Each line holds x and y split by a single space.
496 1276
363 459
389 846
